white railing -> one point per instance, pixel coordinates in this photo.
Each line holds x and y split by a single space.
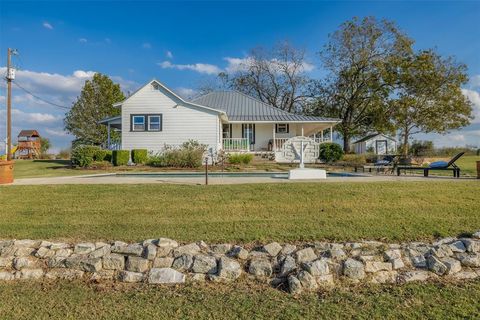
279 142
236 144
320 140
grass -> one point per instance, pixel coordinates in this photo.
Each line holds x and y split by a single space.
58 168
390 211
74 300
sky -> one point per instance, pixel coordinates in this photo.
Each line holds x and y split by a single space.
185 44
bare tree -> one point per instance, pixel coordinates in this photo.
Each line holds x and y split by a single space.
275 76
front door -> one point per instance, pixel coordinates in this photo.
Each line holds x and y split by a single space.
248 132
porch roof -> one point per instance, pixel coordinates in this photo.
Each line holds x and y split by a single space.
240 107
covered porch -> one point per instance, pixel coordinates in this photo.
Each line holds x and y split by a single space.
271 137
114 130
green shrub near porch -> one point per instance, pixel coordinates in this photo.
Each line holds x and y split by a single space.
139 156
330 152
120 157
101 155
240 158
84 155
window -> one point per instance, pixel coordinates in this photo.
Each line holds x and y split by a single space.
138 123
146 122
281 128
227 130
154 123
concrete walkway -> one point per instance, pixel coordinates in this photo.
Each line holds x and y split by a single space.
199 180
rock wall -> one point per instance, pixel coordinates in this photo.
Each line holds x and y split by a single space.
294 268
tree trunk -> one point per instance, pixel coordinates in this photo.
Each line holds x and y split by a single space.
346 144
405 143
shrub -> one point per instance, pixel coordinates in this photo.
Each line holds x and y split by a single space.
356 159
139 156
240 158
100 165
120 157
478 152
330 152
189 155
83 155
108 156
421 148
100 155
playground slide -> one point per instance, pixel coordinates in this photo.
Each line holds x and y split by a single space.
14 149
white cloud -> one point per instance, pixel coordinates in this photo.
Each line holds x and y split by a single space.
475 81
187 93
474 97
34 117
82 40
58 132
31 113
146 45
197 67
47 25
169 54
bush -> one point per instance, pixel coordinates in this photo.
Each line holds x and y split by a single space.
354 159
330 152
108 156
421 148
139 156
83 155
240 158
100 155
100 165
120 157
189 155
478 152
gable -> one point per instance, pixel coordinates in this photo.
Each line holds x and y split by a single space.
154 92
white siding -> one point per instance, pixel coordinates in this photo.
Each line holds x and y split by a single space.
180 122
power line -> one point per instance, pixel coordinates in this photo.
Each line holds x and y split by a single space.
39 98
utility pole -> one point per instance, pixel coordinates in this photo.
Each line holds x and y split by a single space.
10 77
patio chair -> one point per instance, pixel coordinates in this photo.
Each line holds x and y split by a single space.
387 164
439 165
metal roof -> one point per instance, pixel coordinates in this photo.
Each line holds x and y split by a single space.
241 107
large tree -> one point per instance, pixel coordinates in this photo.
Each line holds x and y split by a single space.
94 103
359 58
275 76
428 97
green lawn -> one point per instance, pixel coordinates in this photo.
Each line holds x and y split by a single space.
45 168
392 211
64 300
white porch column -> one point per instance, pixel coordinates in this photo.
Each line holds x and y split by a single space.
108 135
302 130
331 133
321 135
274 144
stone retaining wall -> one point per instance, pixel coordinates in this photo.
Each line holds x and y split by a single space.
310 266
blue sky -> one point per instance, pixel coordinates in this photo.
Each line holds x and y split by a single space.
183 44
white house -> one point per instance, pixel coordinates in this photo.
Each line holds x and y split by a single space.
154 116
376 143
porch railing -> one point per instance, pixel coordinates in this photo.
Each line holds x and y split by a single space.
236 144
279 142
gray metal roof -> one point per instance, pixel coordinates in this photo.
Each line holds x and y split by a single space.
241 107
